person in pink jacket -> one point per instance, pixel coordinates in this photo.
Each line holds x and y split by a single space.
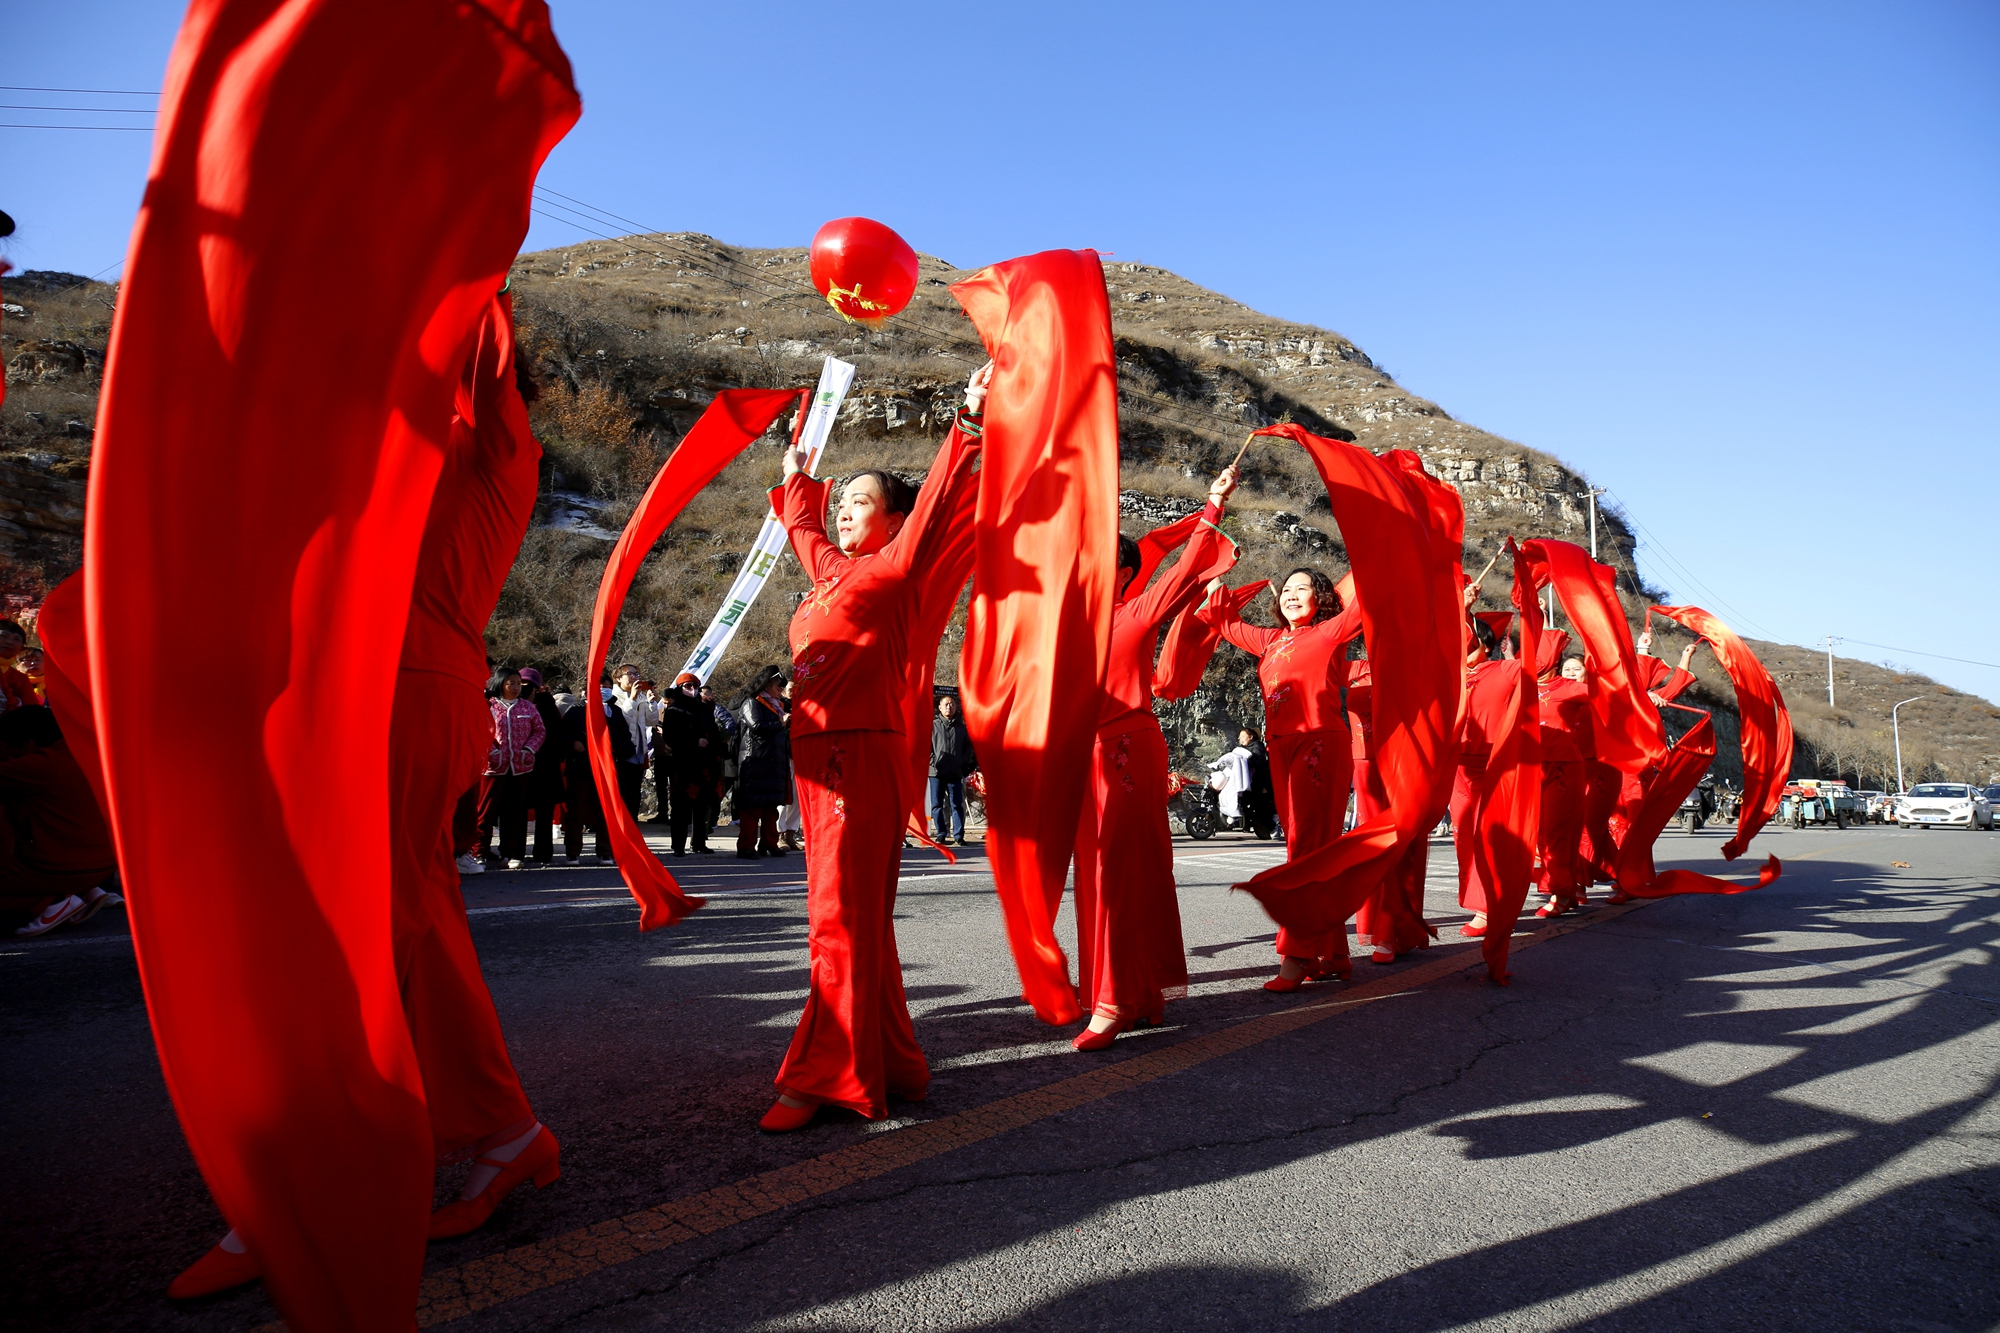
518 732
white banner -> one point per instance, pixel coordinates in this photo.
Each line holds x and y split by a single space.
834 379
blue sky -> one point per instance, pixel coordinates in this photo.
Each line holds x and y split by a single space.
1739 263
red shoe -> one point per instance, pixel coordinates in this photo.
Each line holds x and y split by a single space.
783 1119
1620 896
540 1161
1382 957
1087 1040
218 1270
1472 932
1339 969
1279 985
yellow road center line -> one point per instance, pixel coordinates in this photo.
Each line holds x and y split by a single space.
481 1284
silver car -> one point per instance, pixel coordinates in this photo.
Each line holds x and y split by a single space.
1944 805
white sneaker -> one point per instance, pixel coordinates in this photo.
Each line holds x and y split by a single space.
55 914
470 864
96 901
576 860
513 863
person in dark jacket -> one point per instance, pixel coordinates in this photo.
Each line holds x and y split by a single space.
763 766
545 784
581 809
1258 802
687 769
952 762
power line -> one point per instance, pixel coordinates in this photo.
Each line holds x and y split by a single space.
109 92
145 129
1921 653
108 110
1689 574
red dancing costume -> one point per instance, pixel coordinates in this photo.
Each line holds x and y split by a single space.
1130 958
852 640
1302 672
1392 920
1567 747
439 730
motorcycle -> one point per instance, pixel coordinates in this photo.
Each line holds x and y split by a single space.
1193 804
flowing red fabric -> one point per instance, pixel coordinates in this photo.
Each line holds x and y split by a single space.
1189 644
1155 547
1686 762
1497 621
262 436
1046 543
732 421
66 677
1404 533
1766 722
1628 733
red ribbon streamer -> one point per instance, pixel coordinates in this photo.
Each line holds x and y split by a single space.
1627 726
732 421
254 439
1404 531
1190 643
1046 542
1766 723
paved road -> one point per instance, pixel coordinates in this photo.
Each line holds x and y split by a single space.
1768 1111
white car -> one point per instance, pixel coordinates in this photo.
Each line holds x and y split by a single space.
1944 805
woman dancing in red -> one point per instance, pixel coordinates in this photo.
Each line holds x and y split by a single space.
1130 959
1302 669
851 649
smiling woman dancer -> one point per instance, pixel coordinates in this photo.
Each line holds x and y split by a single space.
1130 958
1302 668
853 639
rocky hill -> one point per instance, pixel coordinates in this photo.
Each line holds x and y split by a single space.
633 337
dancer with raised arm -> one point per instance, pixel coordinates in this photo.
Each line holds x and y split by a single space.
900 555
1130 958
1302 668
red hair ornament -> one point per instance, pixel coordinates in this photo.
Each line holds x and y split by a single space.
865 271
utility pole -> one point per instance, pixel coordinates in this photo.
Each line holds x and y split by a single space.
1830 641
1595 491
1896 724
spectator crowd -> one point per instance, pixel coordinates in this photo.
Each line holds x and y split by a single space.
682 758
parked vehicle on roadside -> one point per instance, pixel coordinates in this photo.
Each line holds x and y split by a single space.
1820 802
1696 807
1944 805
1874 806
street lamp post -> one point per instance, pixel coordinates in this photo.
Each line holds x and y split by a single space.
1595 491
1896 725
1830 641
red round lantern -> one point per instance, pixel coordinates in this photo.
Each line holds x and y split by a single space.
865 271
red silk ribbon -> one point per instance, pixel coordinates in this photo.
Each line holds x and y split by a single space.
732 421
1766 722
1404 533
1046 551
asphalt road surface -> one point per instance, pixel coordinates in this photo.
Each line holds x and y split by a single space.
1768 1111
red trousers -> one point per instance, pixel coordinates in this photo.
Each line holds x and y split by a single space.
855 1046
1393 916
1558 839
1311 774
1600 797
470 1088
1477 881
1130 958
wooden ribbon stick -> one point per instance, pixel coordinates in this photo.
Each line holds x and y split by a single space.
1245 449
1481 576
